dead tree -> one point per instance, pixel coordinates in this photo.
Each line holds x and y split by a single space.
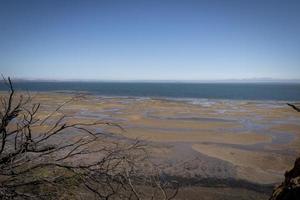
49 158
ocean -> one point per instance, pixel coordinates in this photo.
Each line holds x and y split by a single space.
229 91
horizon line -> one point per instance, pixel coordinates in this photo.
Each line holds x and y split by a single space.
243 80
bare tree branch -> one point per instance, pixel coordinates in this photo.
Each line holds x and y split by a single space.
294 107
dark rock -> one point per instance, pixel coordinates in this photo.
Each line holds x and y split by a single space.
290 188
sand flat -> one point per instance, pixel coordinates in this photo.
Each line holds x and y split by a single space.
257 140
255 166
246 158
189 136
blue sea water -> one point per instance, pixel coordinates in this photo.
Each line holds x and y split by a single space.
230 91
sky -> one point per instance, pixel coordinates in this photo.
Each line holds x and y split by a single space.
150 40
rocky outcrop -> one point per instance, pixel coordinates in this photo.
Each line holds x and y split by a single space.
290 188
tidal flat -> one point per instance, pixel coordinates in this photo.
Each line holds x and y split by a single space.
236 145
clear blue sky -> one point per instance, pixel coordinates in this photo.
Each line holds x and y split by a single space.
150 40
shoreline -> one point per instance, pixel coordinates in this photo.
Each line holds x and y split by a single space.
190 100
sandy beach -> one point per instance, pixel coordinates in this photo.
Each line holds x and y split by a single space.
246 141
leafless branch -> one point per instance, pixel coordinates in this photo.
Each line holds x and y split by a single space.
294 107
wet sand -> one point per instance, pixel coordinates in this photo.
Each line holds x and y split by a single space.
253 141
